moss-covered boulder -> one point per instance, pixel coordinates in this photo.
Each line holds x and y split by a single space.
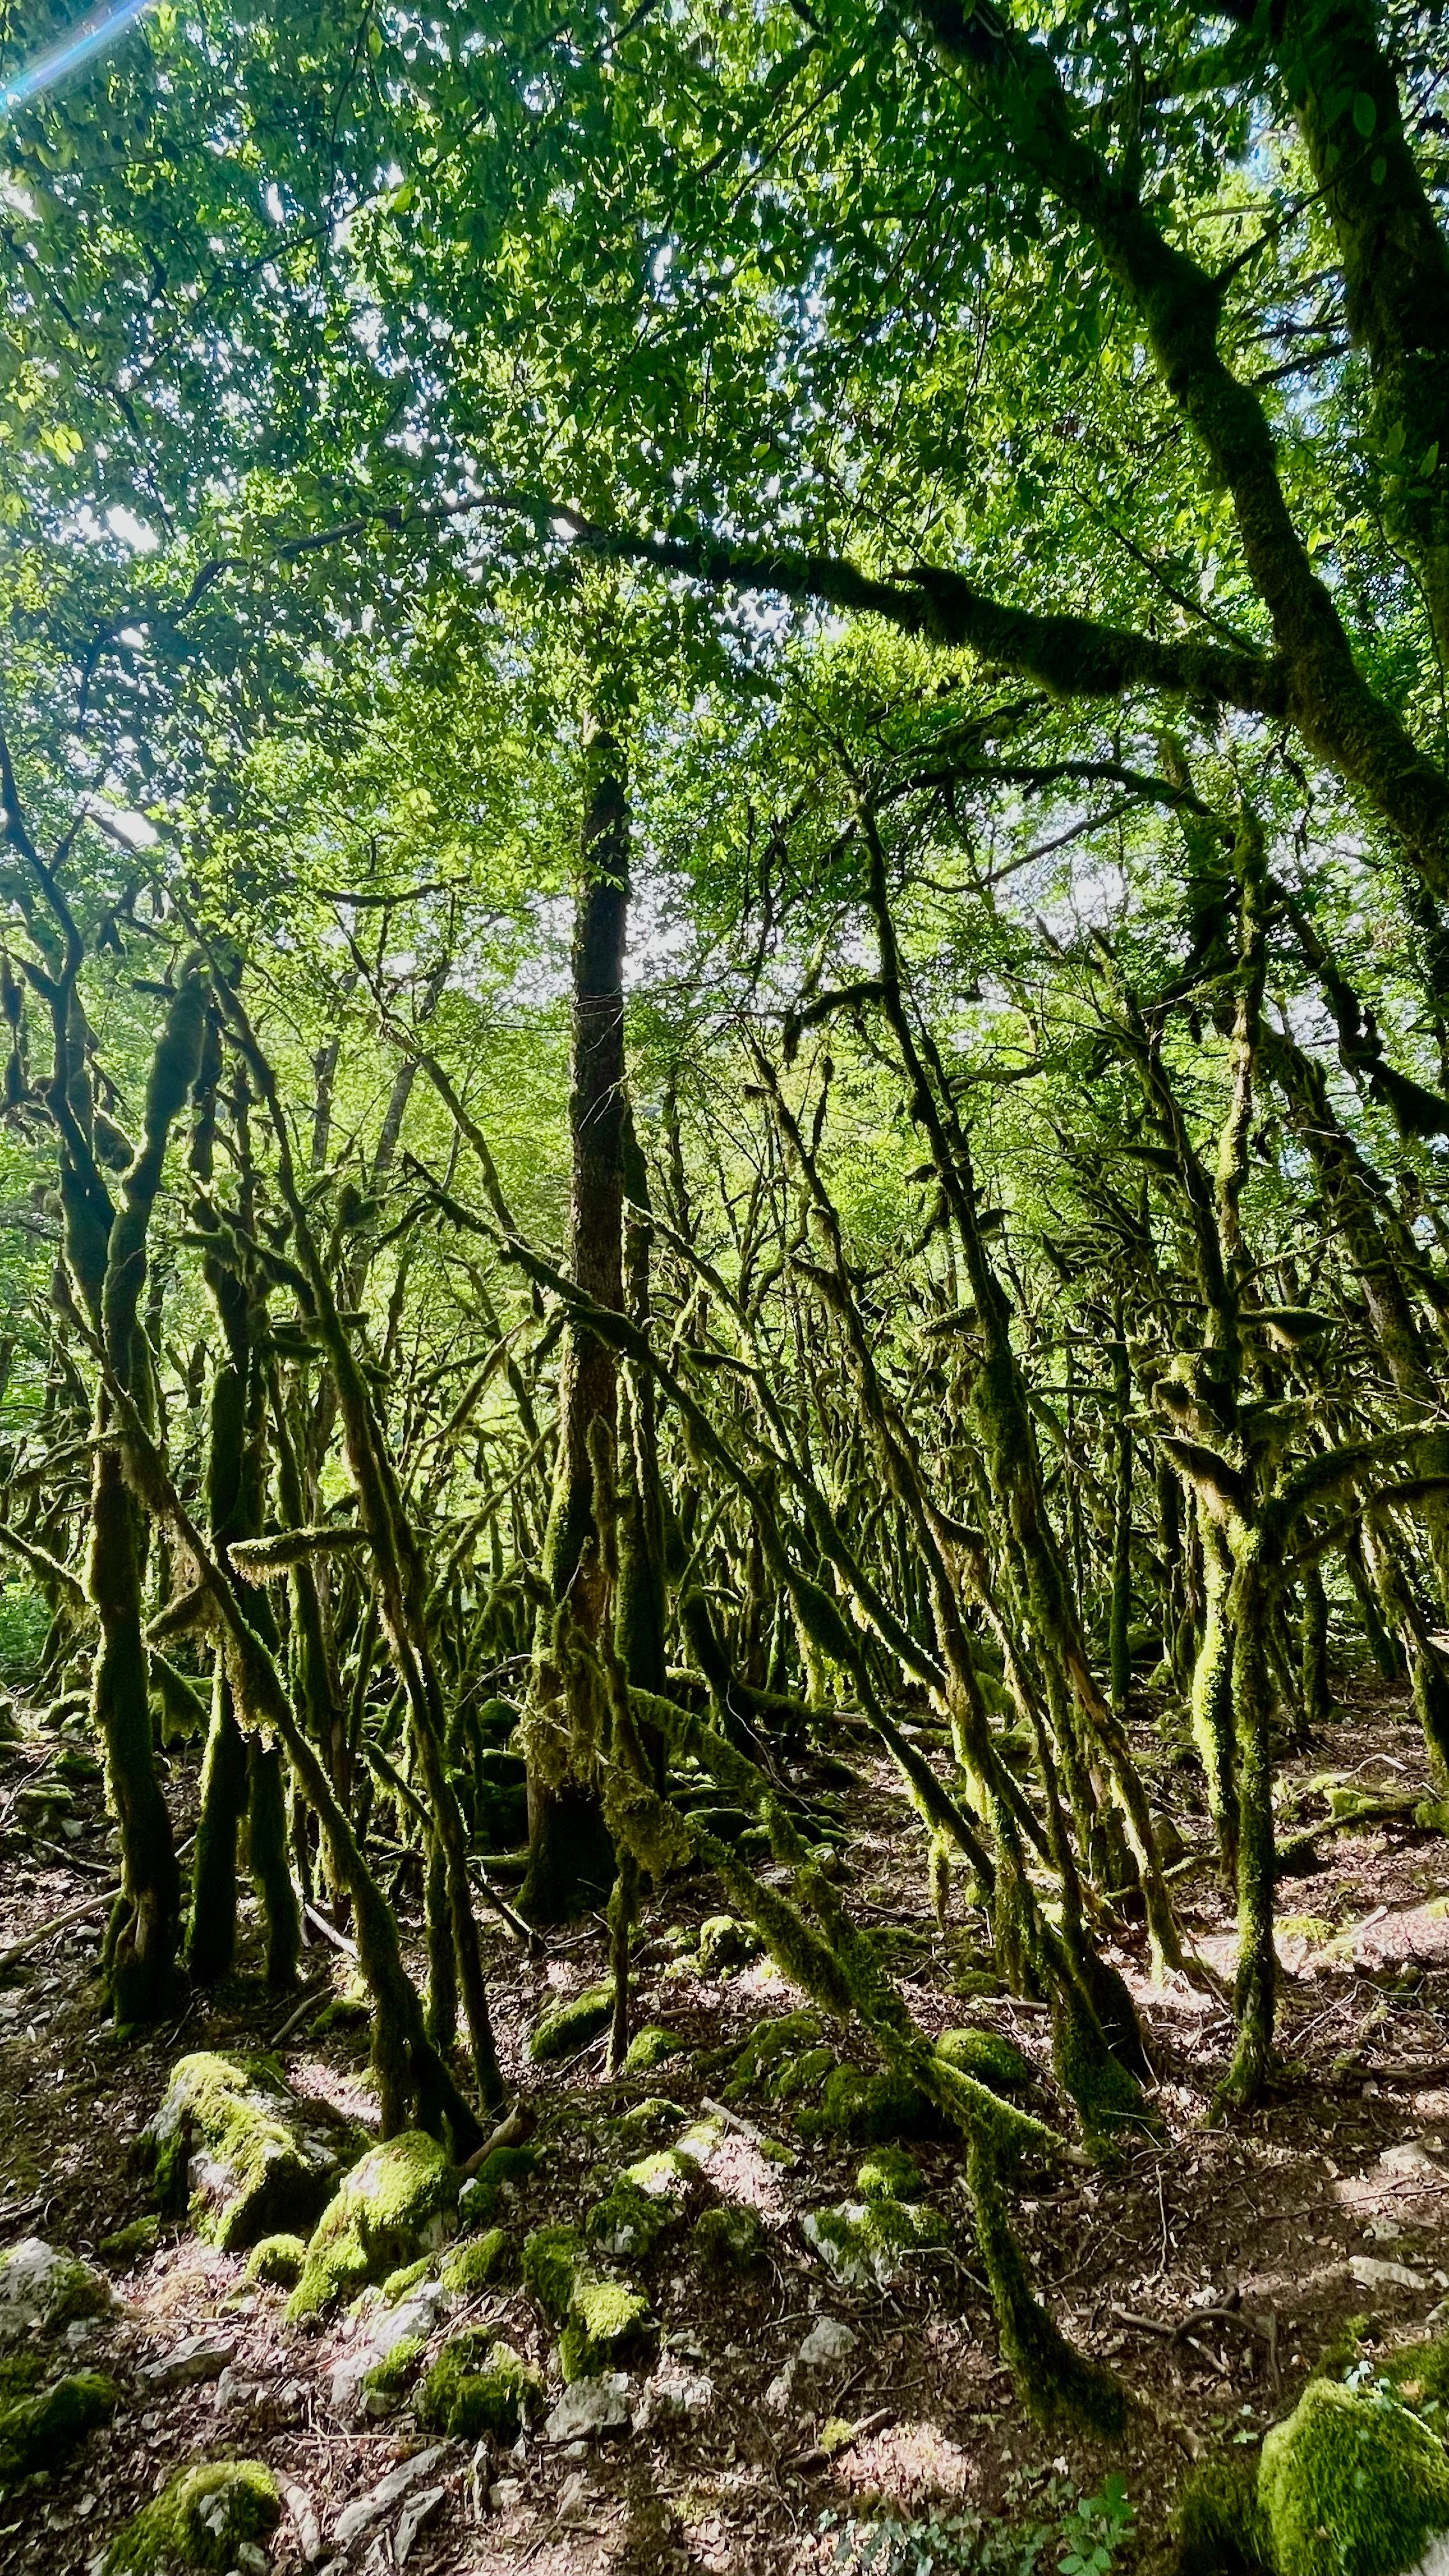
496 2185
1353 2484
478 2385
478 2263
772 2042
550 2259
566 2028
277 2260
399 2202
729 2238
870 2244
386 2383
200 2521
1219 2528
794 2078
643 2204
232 2143
888 2173
129 2245
36 2431
608 2325
872 2109
42 2288
649 2047
985 2054
724 1943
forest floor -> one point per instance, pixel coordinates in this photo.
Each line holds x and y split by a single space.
1330 2203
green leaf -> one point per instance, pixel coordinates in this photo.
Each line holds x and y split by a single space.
1365 114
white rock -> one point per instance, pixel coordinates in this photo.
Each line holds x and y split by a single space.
195 2358
505 2493
380 2499
411 2519
304 2520
417 2314
830 2340
778 2394
590 2406
673 2392
41 2287
573 2493
1435 2561
1371 2274
1382 2231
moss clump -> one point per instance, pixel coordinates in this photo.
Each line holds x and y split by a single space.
870 2244
1219 2529
352 2010
1353 2484
131 2244
43 2286
499 2179
647 2199
278 2260
649 2047
476 2386
890 2174
608 2322
870 2108
198 2521
231 2133
484 2259
1419 2374
986 2055
730 2238
653 2113
393 2376
37 2431
550 2258
405 2278
398 2200
803 2074
770 2041
567 2028
725 1943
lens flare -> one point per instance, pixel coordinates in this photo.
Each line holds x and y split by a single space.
90 35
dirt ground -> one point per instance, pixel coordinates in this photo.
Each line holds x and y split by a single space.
1328 2204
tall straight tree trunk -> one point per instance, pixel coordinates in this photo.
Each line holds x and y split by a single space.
571 1864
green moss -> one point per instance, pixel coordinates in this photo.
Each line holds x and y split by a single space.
476 2386
350 2011
795 2076
869 2244
1419 2374
198 2521
725 1943
649 2047
405 2278
37 2431
499 2178
484 2259
988 2056
1218 2528
550 2257
1353 2484
730 2238
770 2041
231 2132
398 2200
1109 2101
655 2112
890 2174
279 2260
131 2244
870 2108
393 2376
20 2375
567 2028
608 2322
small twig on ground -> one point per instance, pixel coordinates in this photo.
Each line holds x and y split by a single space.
329 1931
817 2458
58 1923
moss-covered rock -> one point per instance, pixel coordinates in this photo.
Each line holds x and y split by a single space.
869 2244
352 2010
405 2278
478 2385
644 2202
386 2384
608 2324
128 2245
278 2260
647 2118
478 2263
888 2173
1419 2373
725 1943
988 2056
550 2258
795 2077
1219 2528
36 2431
771 2041
650 2047
1353 2484
42 2288
198 2522
566 2028
398 2202
872 2109
497 2183
729 2238
232 2142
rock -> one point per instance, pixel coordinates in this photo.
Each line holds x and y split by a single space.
725 1943
829 2340
195 2358
769 2043
567 2027
396 2204
890 2174
607 2321
729 2238
871 2108
479 2385
649 2047
1372 2273
1353 2484
590 2406
43 2289
674 2393
643 2204
367 2509
496 2184
37 2429
478 2264
505 2493
781 2389
870 2244
202 2519
550 2258
131 2244
279 2260
418 2510
231 2138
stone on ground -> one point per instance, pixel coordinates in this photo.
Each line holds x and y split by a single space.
232 2140
208 2519
42 2288
396 2204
